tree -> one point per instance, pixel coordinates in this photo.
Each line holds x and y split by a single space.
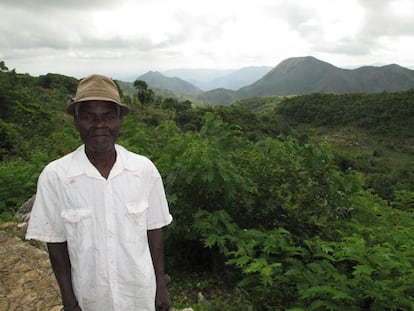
144 94
176 106
3 66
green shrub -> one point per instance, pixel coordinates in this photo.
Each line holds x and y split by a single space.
17 184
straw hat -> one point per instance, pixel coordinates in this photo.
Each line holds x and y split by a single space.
96 87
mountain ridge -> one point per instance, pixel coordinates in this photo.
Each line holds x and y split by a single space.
297 76
157 80
305 75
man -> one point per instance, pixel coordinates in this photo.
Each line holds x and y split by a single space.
101 210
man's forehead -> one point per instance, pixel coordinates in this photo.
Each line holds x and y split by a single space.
96 105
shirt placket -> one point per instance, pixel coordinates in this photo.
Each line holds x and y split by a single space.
111 242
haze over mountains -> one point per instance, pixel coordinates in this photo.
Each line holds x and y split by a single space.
293 76
158 81
209 79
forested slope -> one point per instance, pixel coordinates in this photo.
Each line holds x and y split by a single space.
259 201
373 133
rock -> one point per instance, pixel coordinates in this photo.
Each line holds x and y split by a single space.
27 206
27 281
22 225
4 236
7 225
23 212
200 297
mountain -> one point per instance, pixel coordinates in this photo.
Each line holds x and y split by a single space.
239 78
390 78
293 76
304 75
218 96
208 79
198 77
156 80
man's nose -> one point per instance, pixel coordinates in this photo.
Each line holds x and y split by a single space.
100 121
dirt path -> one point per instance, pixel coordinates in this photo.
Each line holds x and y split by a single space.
26 278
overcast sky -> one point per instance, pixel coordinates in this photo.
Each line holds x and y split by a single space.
124 38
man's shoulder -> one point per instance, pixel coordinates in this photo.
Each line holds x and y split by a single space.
61 163
130 155
134 160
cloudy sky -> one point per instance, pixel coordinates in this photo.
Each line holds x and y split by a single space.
125 38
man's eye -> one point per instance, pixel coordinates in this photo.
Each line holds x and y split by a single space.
88 117
107 117
110 116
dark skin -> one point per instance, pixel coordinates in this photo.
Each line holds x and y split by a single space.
99 126
155 240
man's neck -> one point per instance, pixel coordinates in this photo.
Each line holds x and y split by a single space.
103 161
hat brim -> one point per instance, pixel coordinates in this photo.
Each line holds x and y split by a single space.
71 107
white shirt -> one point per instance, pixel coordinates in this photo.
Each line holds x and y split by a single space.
105 223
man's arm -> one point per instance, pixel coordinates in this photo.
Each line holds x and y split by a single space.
156 245
59 258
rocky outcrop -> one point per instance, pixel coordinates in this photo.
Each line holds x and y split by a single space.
23 212
27 281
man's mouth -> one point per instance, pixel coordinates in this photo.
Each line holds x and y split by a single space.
98 135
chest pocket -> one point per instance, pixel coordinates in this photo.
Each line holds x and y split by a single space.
137 218
79 227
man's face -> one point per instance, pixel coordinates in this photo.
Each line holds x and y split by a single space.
99 125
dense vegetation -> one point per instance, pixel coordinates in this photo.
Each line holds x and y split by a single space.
262 201
373 133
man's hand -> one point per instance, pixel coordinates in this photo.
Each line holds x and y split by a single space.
59 258
162 299
72 308
156 245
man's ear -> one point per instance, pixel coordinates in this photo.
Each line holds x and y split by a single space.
76 123
122 123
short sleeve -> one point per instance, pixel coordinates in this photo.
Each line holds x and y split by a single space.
158 212
45 222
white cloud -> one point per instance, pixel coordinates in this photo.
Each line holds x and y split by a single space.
126 37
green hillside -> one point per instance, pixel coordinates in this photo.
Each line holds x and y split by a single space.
279 203
218 96
371 133
158 81
305 75
293 76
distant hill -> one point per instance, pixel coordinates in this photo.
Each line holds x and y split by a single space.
126 87
304 75
232 79
218 96
391 78
293 76
239 78
156 80
198 77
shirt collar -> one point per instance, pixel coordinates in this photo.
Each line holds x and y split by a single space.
80 164
124 160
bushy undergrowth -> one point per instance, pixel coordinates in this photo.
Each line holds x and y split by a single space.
294 231
274 219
